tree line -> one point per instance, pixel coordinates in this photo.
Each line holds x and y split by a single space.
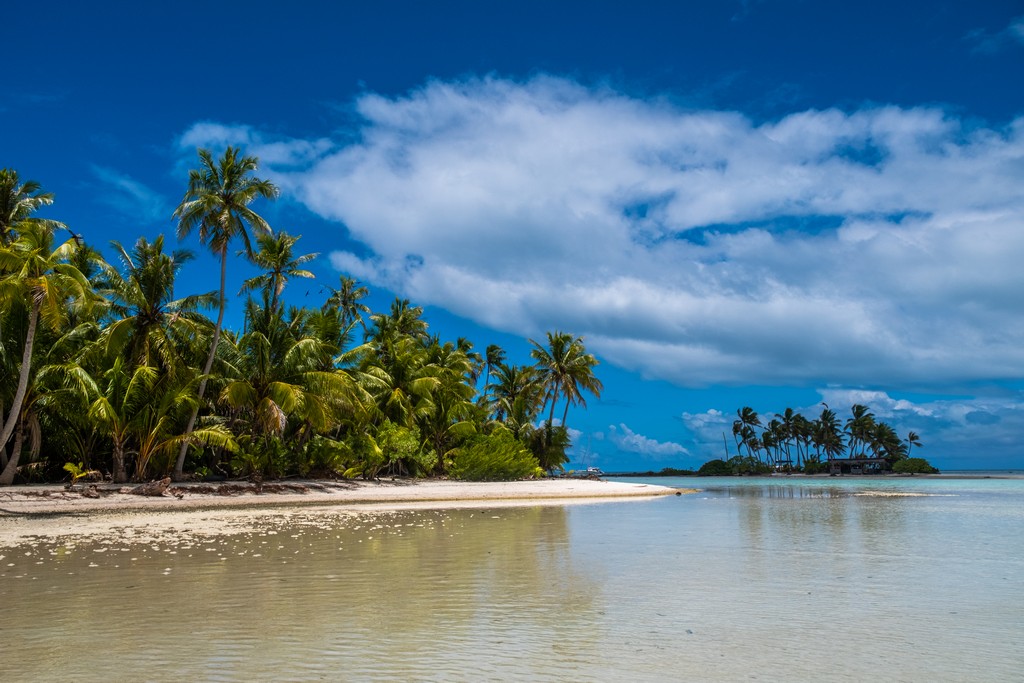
790 441
108 368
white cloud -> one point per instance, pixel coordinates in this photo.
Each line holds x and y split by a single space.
131 197
991 42
275 153
878 246
629 441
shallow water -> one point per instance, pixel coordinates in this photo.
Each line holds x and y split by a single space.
749 579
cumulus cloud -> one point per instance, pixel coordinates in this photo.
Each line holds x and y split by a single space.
873 247
625 439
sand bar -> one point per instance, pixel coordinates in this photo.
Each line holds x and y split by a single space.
54 511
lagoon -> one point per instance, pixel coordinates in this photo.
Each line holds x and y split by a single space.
753 578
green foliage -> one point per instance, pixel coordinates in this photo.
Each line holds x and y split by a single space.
497 456
913 466
326 457
109 367
736 465
549 444
812 467
79 471
403 451
715 468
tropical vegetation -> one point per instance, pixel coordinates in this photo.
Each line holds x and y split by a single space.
111 368
788 441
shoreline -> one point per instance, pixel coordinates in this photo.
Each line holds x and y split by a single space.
29 514
57 500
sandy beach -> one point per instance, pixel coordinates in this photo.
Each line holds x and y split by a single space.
54 511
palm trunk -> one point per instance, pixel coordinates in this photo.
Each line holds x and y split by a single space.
183 451
120 475
7 476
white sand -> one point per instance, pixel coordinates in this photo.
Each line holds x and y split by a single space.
37 512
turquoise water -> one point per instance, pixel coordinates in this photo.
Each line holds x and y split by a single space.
766 579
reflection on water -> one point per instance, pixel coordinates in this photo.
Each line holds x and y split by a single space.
767 581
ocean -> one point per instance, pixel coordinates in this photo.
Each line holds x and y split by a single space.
778 579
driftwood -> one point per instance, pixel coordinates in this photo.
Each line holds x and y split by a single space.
153 488
91 492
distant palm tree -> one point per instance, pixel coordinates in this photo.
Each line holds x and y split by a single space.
913 440
279 263
217 204
860 428
827 436
743 428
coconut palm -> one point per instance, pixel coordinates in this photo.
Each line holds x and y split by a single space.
913 440
276 257
860 428
149 321
566 370
744 426
493 356
512 384
39 277
403 320
827 436
216 204
402 381
281 376
885 443
18 201
347 299
451 418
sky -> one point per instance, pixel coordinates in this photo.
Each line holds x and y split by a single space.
764 203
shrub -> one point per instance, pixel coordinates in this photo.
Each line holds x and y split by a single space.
913 466
715 468
497 456
813 467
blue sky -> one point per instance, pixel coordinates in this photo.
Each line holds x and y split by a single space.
765 203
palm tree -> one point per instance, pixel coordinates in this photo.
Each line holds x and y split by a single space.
18 201
347 299
217 204
494 356
743 428
859 428
122 395
566 369
885 443
450 420
148 317
403 320
40 278
827 436
402 381
913 440
512 384
276 257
